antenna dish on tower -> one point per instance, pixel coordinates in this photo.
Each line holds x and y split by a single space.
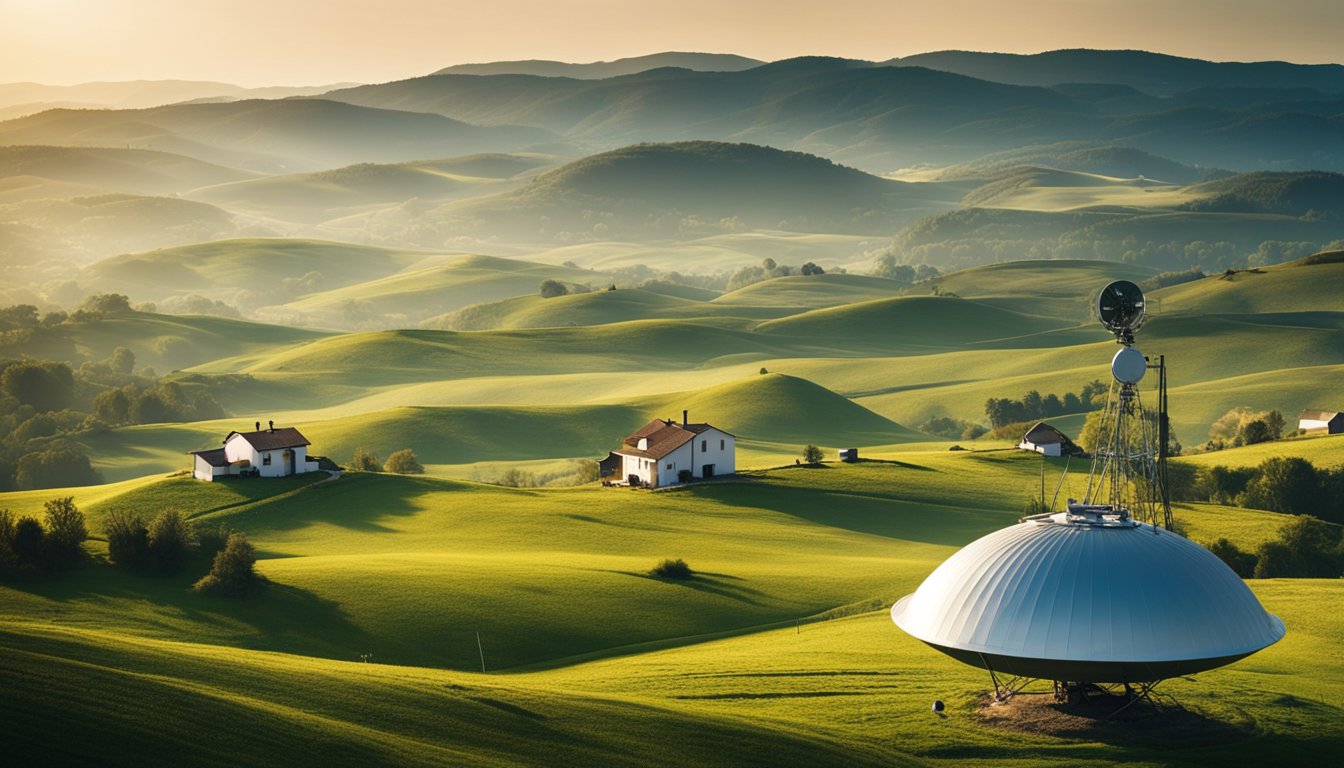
1120 308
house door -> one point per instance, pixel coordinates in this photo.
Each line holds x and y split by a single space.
289 462
707 470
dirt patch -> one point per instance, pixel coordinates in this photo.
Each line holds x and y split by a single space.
1162 724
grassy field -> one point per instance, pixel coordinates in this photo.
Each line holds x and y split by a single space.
588 659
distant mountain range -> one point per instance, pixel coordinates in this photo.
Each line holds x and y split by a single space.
705 62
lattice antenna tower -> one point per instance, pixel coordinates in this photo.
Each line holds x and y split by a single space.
1129 467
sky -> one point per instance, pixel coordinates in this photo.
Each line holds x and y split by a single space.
312 42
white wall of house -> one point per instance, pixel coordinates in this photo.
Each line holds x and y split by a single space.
204 471
671 464
271 463
1049 449
642 468
716 448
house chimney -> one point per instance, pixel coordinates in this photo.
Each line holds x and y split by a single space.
683 418
258 429
271 425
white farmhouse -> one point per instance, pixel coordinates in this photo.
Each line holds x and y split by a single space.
1315 422
265 452
660 451
1047 439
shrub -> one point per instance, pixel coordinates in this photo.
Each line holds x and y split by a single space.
170 537
55 468
672 569
6 540
587 472
232 573
212 538
633 480
127 539
684 475
812 454
27 543
518 478
1243 563
552 288
65 529
1307 547
365 461
1283 485
403 462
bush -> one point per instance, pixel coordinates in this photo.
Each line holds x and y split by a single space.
1283 485
1243 563
65 530
232 573
587 472
55 468
403 462
685 475
672 569
812 454
212 539
6 540
1307 547
127 539
27 543
170 538
365 461
552 288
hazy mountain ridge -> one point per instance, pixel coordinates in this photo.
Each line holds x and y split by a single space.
711 62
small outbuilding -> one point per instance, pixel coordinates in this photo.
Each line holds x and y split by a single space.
1047 439
1321 422
664 452
267 452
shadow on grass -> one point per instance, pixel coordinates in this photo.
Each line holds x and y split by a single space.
275 617
717 584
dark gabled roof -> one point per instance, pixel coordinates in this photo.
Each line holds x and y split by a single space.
214 457
1046 434
664 436
1313 415
270 440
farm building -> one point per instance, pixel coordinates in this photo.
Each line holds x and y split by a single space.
1047 439
663 452
267 452
1321 422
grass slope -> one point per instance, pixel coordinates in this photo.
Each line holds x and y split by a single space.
139 171
224 267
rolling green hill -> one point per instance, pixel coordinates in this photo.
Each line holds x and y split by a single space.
1115 161
1286 194
662 190
163 342
138 171
270 136
595 308
322 195
799 292
257 268
1283 288
917 323
409 297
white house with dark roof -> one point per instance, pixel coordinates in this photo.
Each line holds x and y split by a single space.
267 452
661 450
1315 422
1047 439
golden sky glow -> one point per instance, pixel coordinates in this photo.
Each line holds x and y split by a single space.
293 42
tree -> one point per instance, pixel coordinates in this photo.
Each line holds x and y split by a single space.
46 386
403 462
123 361
812 454
1253 432
1243 563
233 571
170 538
27 543
587 472
769 264
127 539
1283 484
106 304
552 288
764 370
1275 421
811 269
112 407
55 468
65 529
672 569
365 461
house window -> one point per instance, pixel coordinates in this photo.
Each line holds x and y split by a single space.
266 459
669 466
720 445
704 445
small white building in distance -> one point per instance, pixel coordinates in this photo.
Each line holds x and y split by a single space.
1047 439
660 451
1321 422
265 453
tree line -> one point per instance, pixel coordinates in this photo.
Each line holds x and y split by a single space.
1033 406
162 545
